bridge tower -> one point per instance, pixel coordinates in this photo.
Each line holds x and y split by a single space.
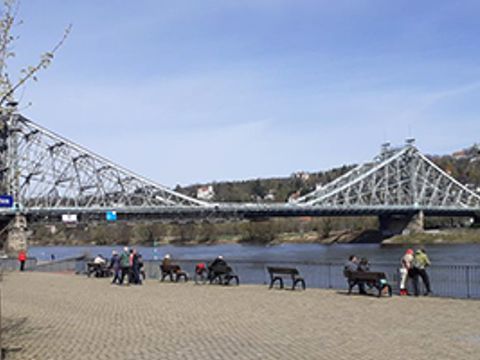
13 231
400 185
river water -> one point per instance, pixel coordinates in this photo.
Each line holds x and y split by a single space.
468 254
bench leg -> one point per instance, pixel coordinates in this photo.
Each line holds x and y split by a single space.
280 280
215 279
182 276
298 281
381 290
230 278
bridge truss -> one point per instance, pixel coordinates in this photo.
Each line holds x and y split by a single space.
48 174
398 177
43 170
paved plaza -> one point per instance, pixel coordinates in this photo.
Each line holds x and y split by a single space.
57 316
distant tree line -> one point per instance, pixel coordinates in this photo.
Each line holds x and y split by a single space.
264 231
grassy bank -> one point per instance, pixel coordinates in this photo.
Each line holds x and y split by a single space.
450 236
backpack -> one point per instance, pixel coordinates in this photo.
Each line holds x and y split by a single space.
417 263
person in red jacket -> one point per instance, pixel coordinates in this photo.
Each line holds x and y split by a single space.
22 257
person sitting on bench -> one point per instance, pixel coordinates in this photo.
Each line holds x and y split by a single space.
218 261
99 260
363 265
166 262
215 264
352 265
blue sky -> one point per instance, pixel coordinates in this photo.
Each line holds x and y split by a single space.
194 91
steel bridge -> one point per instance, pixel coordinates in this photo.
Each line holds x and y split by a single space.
44 176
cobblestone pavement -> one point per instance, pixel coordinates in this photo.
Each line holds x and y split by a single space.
54 316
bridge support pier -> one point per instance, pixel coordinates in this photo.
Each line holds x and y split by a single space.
476 221
16 235
391 225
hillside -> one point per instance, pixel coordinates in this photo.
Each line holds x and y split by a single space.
267 190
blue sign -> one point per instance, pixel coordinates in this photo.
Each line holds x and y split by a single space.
6 200
111 216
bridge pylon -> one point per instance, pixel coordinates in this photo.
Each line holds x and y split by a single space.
17 234
401 224
400 185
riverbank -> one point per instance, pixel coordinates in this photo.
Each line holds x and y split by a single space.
184 321
437 237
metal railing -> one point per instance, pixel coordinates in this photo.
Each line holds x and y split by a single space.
458 281
11 264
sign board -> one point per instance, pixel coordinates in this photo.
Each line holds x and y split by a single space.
6 200
69 218
111 216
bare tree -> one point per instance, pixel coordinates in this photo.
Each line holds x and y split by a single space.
8 84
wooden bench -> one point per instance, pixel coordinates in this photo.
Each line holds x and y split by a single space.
99 270
278 273
174 272
222 274
377 280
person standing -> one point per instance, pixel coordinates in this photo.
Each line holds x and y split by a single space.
405 271
136 268
141 268
115 266
420 263
22 258
131 279
124 264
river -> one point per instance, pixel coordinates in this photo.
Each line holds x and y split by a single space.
468 254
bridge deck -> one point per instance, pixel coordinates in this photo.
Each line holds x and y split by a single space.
240 211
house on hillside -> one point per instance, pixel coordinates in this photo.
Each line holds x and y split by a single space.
302 175
270 196
294 196
205 192
459 155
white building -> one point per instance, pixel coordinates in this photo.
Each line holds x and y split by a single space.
294 196
301 175
205 192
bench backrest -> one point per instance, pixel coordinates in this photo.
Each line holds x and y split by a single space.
282 271
95 265
169 268
366 275
221 268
